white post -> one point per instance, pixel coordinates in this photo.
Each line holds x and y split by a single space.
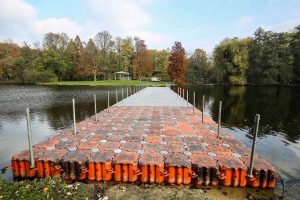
95 101
108 101
29 137
74 117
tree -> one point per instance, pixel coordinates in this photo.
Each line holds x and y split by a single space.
104 43
199 69
176 68
270 59
8 54
231 60
295 50
142 59
92 56
160 62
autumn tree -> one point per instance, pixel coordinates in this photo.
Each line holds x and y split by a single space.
9 51
92 56
160 63
176 68
142 59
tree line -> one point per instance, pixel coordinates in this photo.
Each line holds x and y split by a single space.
266 58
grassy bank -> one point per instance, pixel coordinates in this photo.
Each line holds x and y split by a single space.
57 188
109 83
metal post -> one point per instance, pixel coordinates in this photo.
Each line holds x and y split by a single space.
187 98
180 91
122 94
117 100
29 137
74 117
203 98
219 118
257 118
127 93
183 93
177 90
95 101
194 101
108 101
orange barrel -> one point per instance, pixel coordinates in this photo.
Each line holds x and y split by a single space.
47 170
226 173
118 172
205 167
30 172
159 173
231 167
243 178
91 172
151 173
22 171
55 170
15 167
122 161
152 167
175 164
40 168
49 163
133 172
77 160
125 172
271 179
263 178
98 171
102 161
107 171
171 178
235 177
179 175
144 174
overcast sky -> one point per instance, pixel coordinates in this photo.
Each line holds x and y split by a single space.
195 23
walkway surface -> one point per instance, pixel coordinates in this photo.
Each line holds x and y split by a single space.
154 96
150 137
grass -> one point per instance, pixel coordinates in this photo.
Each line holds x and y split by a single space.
109 83
49 188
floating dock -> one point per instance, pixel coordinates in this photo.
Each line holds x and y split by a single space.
153 136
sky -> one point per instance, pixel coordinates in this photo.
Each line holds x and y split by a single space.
195 23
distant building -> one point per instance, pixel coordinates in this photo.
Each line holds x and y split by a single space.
155 79
122 75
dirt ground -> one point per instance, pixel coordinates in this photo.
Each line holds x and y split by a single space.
121 191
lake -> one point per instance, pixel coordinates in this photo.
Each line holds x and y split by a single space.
51 111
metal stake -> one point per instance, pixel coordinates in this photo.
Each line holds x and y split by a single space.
122 95
127 93
194 101
108 101
183 94
180 92
187 98
257 118
219 118
117 100
95 101
74 117
29 137
130 91
203 98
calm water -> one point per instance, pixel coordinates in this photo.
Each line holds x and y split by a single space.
51 108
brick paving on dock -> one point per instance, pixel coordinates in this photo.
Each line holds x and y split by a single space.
152 136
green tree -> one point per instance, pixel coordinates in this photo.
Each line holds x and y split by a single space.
295 50
270 58
160 62
198 68
92 57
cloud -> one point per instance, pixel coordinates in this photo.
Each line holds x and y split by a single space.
244 21
287 25
19 21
